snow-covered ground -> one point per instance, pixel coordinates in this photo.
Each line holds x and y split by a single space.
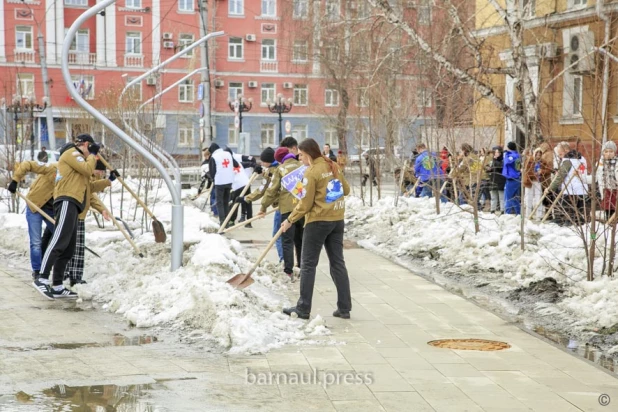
195 298
447 244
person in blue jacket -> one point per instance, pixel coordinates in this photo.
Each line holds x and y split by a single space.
427 170
512 172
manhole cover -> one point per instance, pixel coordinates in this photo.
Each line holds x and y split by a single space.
469 344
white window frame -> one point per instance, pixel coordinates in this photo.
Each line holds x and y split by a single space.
330 138
88 80
236 8
531 11
267 134
186 135
268 48
267 93
299 132
300 51
363 9
423 97
25 31
365 139
232 135
186 6
424 13
234 90
269 8
332 10
186 91
184 41
331 97
234 48
577 4
133 36
76 3
300 9
133 4
137 96
361 98
25 84
301 95
76 45
331 53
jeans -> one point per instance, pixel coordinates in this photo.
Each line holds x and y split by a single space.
35 228
512 196
532 198
213 203
222 193
276 226
329 235
431 185
497 195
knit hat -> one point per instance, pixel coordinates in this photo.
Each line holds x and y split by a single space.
213 147
281 153
82 138
511 146
609 146
268 155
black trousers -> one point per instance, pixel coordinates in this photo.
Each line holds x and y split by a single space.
62 244
247 207
222 194
292 240
329 235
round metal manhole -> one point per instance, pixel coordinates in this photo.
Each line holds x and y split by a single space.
470 344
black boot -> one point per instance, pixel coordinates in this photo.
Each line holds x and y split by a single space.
301 315
342 315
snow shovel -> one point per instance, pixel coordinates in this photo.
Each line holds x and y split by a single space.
413 190
157 227
556 199
241 224
125 234
49 218
241 280
235 206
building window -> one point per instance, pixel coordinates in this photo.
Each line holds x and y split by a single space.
268 92
268 134
232 135
25 84
330 138
23 38
184 41
134 92
269 8
573 96
81 41
299 54
186 91
299 132
301 94
363 10
133 4
332 98
577 4
331 53
424 13
185 135
235 48
185 5
362 99
235 90
84 86
134 43
423 97
268 49
577 95
332 10
236 7
301 9
528 7
81 3
365 139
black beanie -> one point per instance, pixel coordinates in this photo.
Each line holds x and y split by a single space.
511 146
268 155
100 166
213 147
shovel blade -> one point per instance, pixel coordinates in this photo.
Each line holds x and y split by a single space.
159 231
240 281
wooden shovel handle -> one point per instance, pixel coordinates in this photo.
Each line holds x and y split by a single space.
126 235
265 252
35 207
235 205
557 198
142 204
250 220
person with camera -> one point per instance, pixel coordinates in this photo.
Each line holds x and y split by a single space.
71 196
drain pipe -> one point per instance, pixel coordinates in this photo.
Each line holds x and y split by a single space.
605 18
177 208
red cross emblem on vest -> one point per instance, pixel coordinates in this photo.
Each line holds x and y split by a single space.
225 163
582 168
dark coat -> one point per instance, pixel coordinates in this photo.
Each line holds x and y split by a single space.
496 179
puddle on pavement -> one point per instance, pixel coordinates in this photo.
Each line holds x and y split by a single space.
117 340
104 398
586 351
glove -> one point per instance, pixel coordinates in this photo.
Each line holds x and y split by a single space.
113 175
239 199
12 186
259 170
94 148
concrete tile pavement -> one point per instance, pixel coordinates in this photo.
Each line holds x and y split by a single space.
395 313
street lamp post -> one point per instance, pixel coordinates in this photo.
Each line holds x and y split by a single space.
240 106
280 106
24 107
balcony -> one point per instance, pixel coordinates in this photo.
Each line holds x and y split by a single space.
133 60
83 58
269 66
23 56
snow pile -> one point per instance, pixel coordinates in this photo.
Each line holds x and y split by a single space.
195 298
448 241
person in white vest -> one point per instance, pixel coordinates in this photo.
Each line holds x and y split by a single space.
247 165
573 170
221 170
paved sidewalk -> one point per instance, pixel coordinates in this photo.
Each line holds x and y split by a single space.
395 313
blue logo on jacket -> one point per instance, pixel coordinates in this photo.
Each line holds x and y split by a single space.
334 191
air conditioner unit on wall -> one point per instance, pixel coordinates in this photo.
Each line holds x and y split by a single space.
252 85
250 37
151 81
148 127
548 50
168 44
288 85
219 83
167 36
581 54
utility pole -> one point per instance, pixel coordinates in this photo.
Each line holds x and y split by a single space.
205 121
48 111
